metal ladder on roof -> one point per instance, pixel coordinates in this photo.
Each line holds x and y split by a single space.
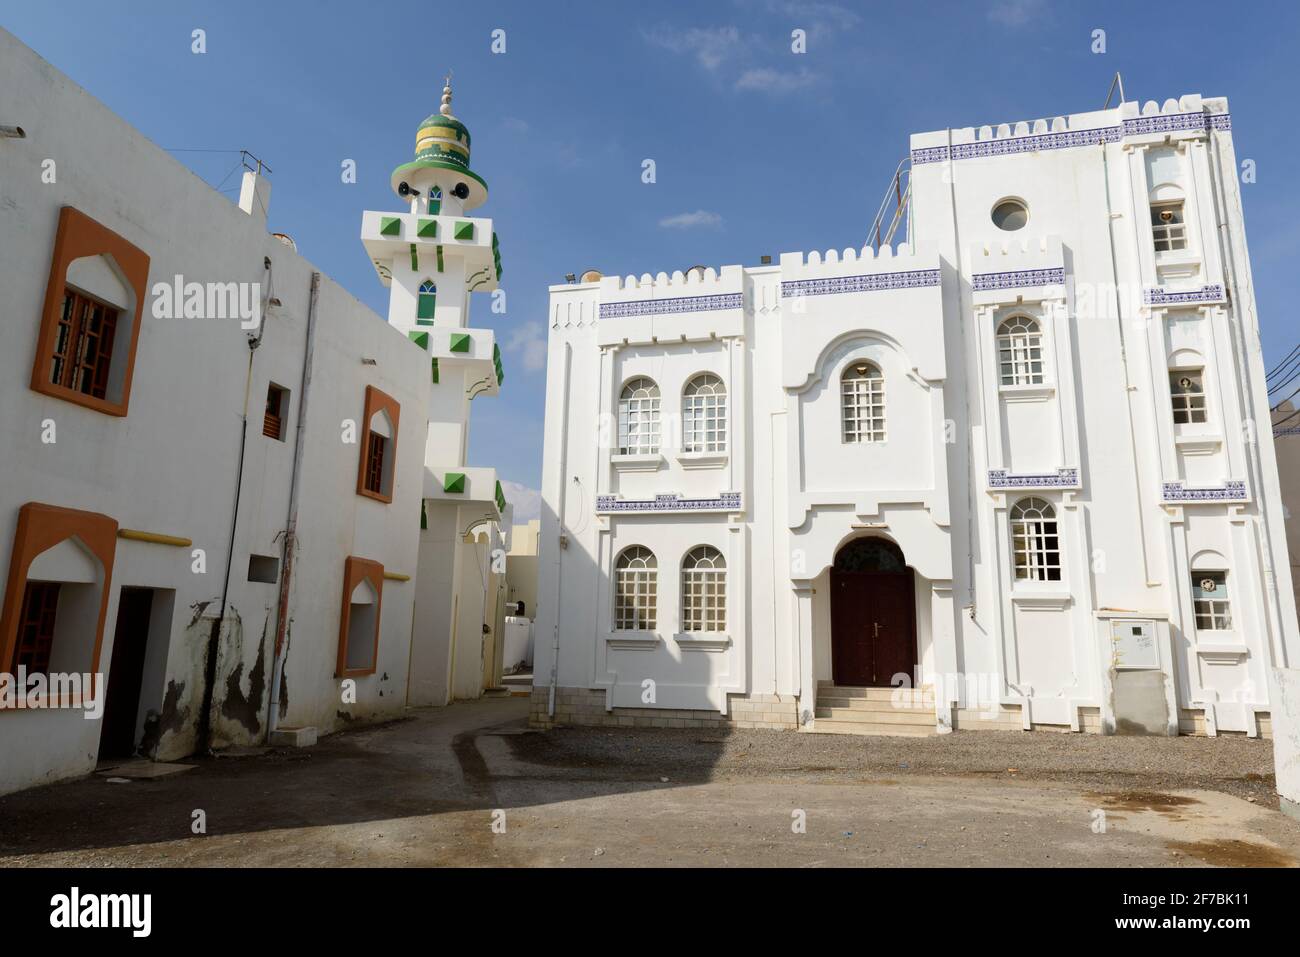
896 206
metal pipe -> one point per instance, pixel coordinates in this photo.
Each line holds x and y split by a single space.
13 132
204 731
291 523
559 557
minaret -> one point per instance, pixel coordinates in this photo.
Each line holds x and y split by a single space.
433 256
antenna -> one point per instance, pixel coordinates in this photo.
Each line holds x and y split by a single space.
1117 81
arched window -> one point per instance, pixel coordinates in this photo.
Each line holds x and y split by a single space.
638 418
704 415
428 299
1020 351
636 589
704 590
435 200
1035 541
862 398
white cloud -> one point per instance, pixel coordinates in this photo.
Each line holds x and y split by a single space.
709 45
515 125
1015 13
767 80
701 218
528 342
527 501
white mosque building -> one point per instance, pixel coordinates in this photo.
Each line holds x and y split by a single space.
1019 463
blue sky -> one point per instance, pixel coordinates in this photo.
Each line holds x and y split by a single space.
758 150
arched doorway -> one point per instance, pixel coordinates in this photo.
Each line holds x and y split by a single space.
873 614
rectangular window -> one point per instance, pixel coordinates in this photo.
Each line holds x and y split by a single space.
36 627
1187 392
375 463
276 406
83 345
263 568
1210 601
1167 227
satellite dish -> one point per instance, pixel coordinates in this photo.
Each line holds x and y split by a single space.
591 275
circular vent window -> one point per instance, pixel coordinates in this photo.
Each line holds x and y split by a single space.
1010 214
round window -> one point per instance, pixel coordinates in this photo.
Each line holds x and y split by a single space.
1010 214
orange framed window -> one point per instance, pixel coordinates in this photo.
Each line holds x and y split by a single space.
90 320
377 465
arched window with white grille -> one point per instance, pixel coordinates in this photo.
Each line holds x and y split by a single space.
427 303
1035 540
636 589
638 418
704 590
862 399
704 415
1020 351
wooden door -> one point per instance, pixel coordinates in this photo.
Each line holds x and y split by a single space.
873 619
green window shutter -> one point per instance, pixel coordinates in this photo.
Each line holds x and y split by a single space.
428 302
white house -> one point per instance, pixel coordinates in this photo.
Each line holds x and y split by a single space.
216 460
1011 463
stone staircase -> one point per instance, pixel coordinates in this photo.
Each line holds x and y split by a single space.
845 710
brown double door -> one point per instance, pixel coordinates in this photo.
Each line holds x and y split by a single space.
873 627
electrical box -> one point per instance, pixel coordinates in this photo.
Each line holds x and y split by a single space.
1133 645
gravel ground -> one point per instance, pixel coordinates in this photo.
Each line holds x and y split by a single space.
1233 765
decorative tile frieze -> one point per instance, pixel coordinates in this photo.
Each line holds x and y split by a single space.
664 307
1061 478
1136 126
671 502
1178 492
1159 296
909 279
986 281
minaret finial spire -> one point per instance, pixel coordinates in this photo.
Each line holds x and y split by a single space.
445 109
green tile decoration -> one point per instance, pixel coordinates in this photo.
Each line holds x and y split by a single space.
464 230
421 339
454 482
427 228
390 226
461 341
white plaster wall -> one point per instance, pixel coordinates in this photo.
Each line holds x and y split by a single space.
170 465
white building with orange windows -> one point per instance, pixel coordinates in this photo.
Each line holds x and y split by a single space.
234 504
1018 462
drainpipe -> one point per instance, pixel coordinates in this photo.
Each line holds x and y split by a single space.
291 525
559 550
204 733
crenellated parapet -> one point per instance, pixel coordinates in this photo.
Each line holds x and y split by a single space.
1013 270
1188 116
684 306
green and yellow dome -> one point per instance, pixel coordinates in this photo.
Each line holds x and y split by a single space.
442 142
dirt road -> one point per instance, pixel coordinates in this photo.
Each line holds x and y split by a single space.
469 785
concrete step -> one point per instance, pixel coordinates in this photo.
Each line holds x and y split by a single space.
877 694
831 700
829 726
924 719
